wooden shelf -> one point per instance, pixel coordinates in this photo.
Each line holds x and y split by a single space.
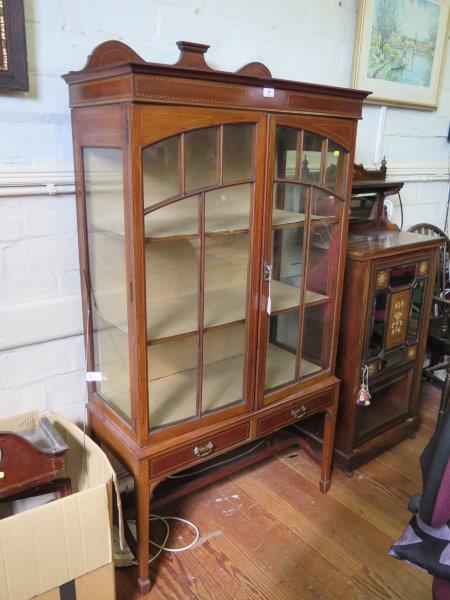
173 398
286 297
177 316
280 367
166 229
285 219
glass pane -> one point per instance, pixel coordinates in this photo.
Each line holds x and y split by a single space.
391 359
416 308
173 221
111 359
312 157
285 152
172 386
281 349
285 292
223 367
161 170
289 198
379 319
387 403
172 288
333 173
322 254
363 207
323 204
238 152
226 267
200 158
228 209
315 349
105 220
402 275
287 264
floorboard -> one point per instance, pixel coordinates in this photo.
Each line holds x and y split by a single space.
267 532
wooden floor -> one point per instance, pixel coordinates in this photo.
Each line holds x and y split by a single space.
268 532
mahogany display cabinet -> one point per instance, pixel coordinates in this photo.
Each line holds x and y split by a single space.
212 217
388 290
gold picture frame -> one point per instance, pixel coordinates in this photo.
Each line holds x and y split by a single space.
399 51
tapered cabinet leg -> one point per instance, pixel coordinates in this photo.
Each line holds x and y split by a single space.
143 493
327 448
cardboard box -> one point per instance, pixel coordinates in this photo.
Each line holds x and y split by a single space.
64 547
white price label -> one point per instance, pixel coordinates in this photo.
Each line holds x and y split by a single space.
94 376
268 92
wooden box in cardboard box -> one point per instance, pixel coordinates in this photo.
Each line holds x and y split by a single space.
61 549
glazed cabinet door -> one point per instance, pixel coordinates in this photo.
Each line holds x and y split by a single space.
202 198
307 183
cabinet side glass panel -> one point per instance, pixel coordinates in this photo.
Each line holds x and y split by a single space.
103 179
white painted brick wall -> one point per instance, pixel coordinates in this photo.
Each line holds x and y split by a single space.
39 279
45 376
40 300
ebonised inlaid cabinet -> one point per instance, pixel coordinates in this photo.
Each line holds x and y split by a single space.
212 216
388 289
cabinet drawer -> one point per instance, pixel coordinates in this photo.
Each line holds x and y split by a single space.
294 411
206 447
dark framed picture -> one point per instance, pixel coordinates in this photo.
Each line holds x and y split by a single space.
13 48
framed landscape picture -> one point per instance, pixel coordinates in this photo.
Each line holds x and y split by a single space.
13 49
400 50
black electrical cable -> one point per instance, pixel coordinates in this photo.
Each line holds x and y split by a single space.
401 210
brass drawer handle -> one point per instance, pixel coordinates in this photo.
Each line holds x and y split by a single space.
298 412
2 474
204 450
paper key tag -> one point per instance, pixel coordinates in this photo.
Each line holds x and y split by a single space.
94 376
268 92
269 305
